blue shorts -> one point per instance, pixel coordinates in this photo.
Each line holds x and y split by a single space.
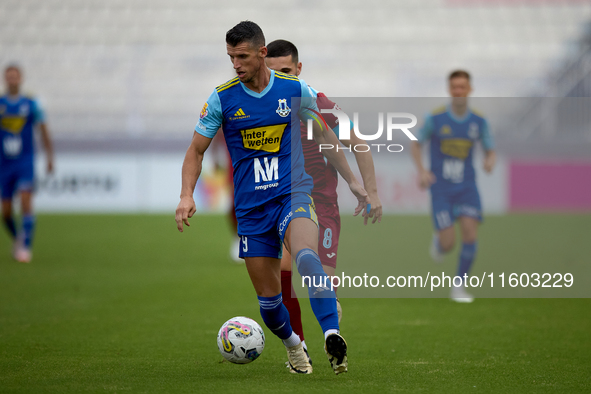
447 206
15 176
262 229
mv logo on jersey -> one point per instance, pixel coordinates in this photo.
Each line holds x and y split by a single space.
283 110
268 173
12 146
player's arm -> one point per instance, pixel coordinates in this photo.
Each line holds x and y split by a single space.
325 135
210 121
192 166
39 116
368 173
426 177
490 157
47 145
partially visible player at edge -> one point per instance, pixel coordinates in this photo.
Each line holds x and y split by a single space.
19 114
453 130
283 56
271 189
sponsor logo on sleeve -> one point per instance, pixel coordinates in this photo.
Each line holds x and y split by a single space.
204 112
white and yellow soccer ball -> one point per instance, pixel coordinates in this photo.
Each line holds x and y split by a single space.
241 340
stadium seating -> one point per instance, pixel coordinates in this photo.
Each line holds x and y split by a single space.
109 68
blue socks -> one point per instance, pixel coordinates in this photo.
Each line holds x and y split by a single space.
466 258
322 298
28 229
9 223
275 316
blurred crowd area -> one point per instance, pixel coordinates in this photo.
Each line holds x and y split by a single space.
109 69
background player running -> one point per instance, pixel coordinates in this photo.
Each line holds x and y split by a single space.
19 114
271 188
453 130
283 56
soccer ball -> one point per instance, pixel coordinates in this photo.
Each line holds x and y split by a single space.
241 340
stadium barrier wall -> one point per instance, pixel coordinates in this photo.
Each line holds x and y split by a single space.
150 182
111 182
550 186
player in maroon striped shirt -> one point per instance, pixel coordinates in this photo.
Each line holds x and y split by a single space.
282 56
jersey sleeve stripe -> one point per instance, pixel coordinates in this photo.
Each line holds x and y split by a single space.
439 110
286 76
219 89
227 83
289 79
279 73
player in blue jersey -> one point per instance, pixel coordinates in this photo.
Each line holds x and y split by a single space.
453 131
19 115
271 189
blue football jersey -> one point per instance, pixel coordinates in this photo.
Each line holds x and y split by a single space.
257 127
18 116
452 145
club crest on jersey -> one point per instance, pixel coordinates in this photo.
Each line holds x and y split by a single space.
203 113
283 110
23 109
473 131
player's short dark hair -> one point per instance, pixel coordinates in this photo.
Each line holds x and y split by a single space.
12 66
459 74
280 48
246 31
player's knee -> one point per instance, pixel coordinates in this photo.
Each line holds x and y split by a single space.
469 238
446 244
6 214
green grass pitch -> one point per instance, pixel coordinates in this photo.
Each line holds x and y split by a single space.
126 304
